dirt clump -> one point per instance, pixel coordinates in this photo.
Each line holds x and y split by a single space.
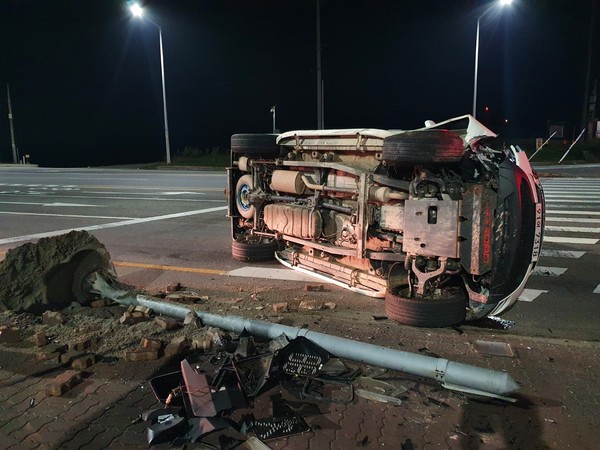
45 275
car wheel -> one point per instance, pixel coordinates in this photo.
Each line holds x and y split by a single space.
430 313
264 250
257 145
242 190
422 147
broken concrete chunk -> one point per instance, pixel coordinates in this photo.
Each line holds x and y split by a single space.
63 383
131 318
280 307
176 346
53 318
141 354
314 287
312 305
40 339
330 305
143 309
167 323
9 335
83 362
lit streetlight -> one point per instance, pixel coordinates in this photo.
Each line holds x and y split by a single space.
138 11
500 3
273 108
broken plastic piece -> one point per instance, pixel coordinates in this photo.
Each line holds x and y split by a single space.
277 344
154 414
379 387
369 395
198 392
164 385
201 426
165 430
253 443
314 389
302 357
494 348
253 372
276 427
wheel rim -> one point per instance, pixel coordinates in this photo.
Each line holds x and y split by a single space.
243 195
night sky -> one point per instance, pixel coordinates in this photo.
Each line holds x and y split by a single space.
86 89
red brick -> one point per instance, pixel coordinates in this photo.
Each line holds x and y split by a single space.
311 305
280 307
173 287
314 287
141 354
176 346
70 356
40 339
151 344
100 303
63 383
53 318
167 323
83 362
9 335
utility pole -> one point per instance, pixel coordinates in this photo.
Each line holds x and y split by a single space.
586 88
320 123
12 128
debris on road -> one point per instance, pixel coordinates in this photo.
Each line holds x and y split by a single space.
63 383
494 348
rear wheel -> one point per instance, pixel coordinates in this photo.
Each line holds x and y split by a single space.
422 147
255 145
432 313
248 251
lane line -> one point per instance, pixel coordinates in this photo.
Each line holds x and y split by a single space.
579 196
549 271
52 204
571 219
573 229
570 200
570 240
64 215
572 212
169 268
530 295
30 237
160 199
597 290
561 254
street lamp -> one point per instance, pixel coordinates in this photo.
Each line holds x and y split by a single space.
138 11
273 108
500 3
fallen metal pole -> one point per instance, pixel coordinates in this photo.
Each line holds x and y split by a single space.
453 375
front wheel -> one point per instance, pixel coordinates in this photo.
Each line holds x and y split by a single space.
430 313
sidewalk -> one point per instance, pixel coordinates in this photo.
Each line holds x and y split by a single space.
557 405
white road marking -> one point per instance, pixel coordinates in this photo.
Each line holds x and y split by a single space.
597 290
570 240
270 273
64 215
530 295
52 204
571 200
585 197
573 229
181 193
549 271
571 219
31 237
561 254
572 212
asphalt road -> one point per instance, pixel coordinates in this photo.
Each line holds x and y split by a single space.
161 226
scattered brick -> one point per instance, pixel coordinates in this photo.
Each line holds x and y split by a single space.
330 305
53 318
83 362
63 383
176 346
202 344
48 356
280 307
130 318
151 344
310 305
70 356
167 323
314 287
192 318
83 344
40 339
100 303
173 287
141 354
9 335
143 309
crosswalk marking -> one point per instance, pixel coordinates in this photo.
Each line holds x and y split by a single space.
570 240
572 212
573 229
549 271
529 295
571 219
561 254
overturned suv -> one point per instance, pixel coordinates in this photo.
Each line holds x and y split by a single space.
442 226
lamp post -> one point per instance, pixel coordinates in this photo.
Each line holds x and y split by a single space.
273 108
138 11
502 3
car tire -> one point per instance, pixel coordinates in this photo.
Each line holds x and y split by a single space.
255 145
422 147
429 313
242 189
253 251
